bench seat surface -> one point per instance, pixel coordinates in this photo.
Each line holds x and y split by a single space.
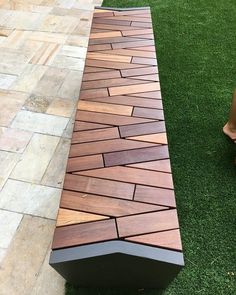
118 184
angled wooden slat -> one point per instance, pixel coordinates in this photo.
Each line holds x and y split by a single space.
154 77
147 36
132 175
106 146
137 72
110 83
129 52
95 135
148 113
105 35
103 75
114 27
104 205
141 24
145 48
84 163
82 126
142 129
134 88
144 61
109 57
68 217
132 43
114 40
88 69
155 195
111 22
167 239
136 32
131 101
98 186
159 165
132 18
155 138
105 108
73 235
94 93
99 47
110 119
151 94
133 12
146 223
111 64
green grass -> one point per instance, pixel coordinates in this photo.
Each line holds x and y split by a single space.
196 50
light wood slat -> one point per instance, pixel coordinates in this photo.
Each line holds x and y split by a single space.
105 108
67 217
105 35
155 138
133 89
109 57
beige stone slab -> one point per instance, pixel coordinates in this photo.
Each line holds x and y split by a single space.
48 37
42 123
51 81
75 40
13 55
11 68
83 28
29 78
15 39
9 222
58 24
29 198
35 158
70 87
37 103
48 282
7 163
73 51
69 128
14 140
6 80
3 252
10 102
68 62
24 6
25 256
61 107
86 4
55 172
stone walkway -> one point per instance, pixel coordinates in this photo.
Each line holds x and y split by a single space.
42 50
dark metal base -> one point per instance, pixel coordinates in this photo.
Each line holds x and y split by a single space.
117 264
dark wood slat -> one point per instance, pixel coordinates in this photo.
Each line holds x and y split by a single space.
137 32
111 22
95 70
148 113
141 129
95 135
151 94
114 27
154 77
84 163
144 61
129 52
102 75
131 101
94 93
110 119
147 223
110 83
132 175
167 239
82 126
136 156
160 196
141 24
148 36
106 146
79 234
104 205
99 47
131 18
138 72
99 186
133 12
113 40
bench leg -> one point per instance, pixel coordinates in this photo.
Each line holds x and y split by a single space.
230 127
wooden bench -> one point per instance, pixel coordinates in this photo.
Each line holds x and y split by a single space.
117 224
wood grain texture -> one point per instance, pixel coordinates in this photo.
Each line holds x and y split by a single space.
118 183
67 217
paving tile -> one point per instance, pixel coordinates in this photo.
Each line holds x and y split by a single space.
42 123
37 103
8 161
51 81
68 62
70 87
48 281
6 80
58 24
73 51
9 222
29 78
35 158
69 128
55 173
14 140
61 107
30 198
75 40
21 265
3 252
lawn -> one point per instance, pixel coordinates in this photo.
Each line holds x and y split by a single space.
196 50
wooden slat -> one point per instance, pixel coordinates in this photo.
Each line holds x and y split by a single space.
84 163
142 129
159 165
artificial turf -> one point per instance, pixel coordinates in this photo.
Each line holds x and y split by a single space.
196 51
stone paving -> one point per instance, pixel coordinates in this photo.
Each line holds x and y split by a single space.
42 50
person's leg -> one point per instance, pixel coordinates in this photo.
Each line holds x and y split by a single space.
230 127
